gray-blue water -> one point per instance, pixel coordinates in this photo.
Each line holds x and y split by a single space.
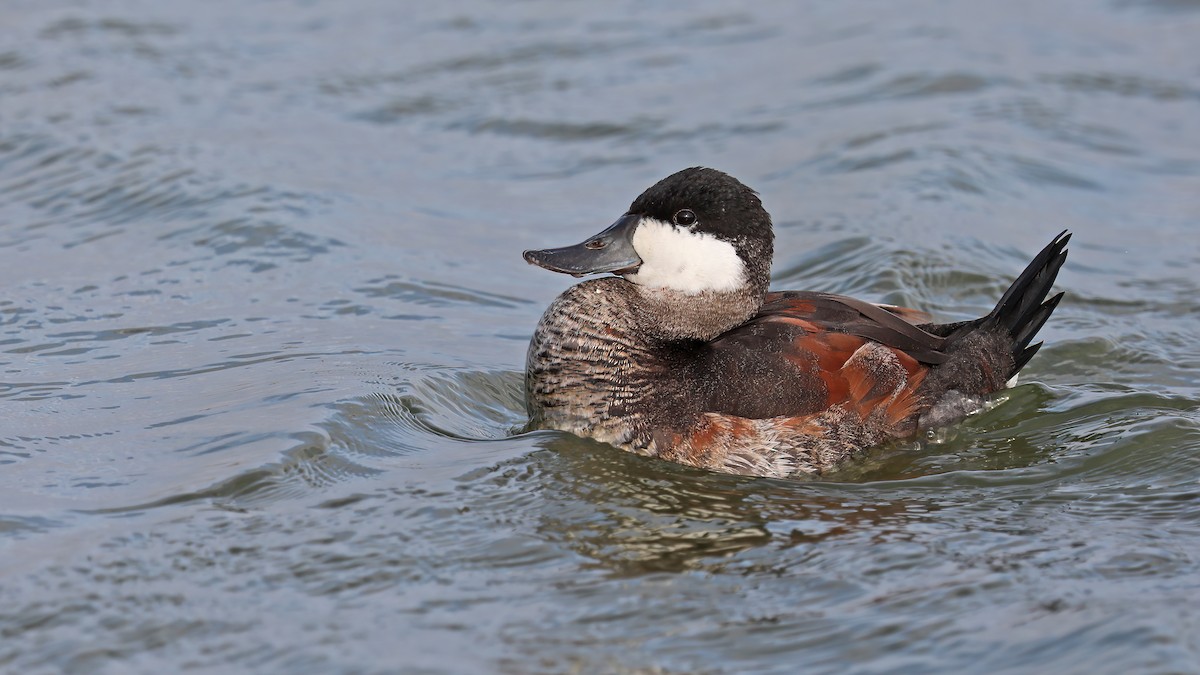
263 317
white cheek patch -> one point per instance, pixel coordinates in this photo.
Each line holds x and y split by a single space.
689 262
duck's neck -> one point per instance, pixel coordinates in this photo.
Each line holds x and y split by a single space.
669 315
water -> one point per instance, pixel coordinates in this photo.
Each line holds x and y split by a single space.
263 319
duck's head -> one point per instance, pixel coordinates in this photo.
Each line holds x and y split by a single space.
697 242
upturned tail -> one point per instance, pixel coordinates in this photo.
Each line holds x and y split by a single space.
985 353
1011 326
1024 308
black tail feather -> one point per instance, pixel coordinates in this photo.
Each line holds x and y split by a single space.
1025 356
1038 319
1024 309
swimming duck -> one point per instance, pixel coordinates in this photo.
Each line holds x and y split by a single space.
683 354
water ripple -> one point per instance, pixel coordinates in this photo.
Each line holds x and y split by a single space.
261 357
97 195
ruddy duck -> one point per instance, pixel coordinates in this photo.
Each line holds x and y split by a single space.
685 355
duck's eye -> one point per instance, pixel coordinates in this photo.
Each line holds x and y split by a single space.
685 217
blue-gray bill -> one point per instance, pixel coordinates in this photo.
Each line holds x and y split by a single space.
609 251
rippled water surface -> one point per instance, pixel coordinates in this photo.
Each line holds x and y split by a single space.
263 317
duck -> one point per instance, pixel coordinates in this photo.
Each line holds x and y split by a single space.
681 352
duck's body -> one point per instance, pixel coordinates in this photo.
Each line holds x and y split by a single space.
685 356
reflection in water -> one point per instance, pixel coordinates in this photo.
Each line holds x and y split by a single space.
631 515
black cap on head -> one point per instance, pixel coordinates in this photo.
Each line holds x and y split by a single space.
723 206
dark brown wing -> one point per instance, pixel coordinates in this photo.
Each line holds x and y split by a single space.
913 316
805 352
886 325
